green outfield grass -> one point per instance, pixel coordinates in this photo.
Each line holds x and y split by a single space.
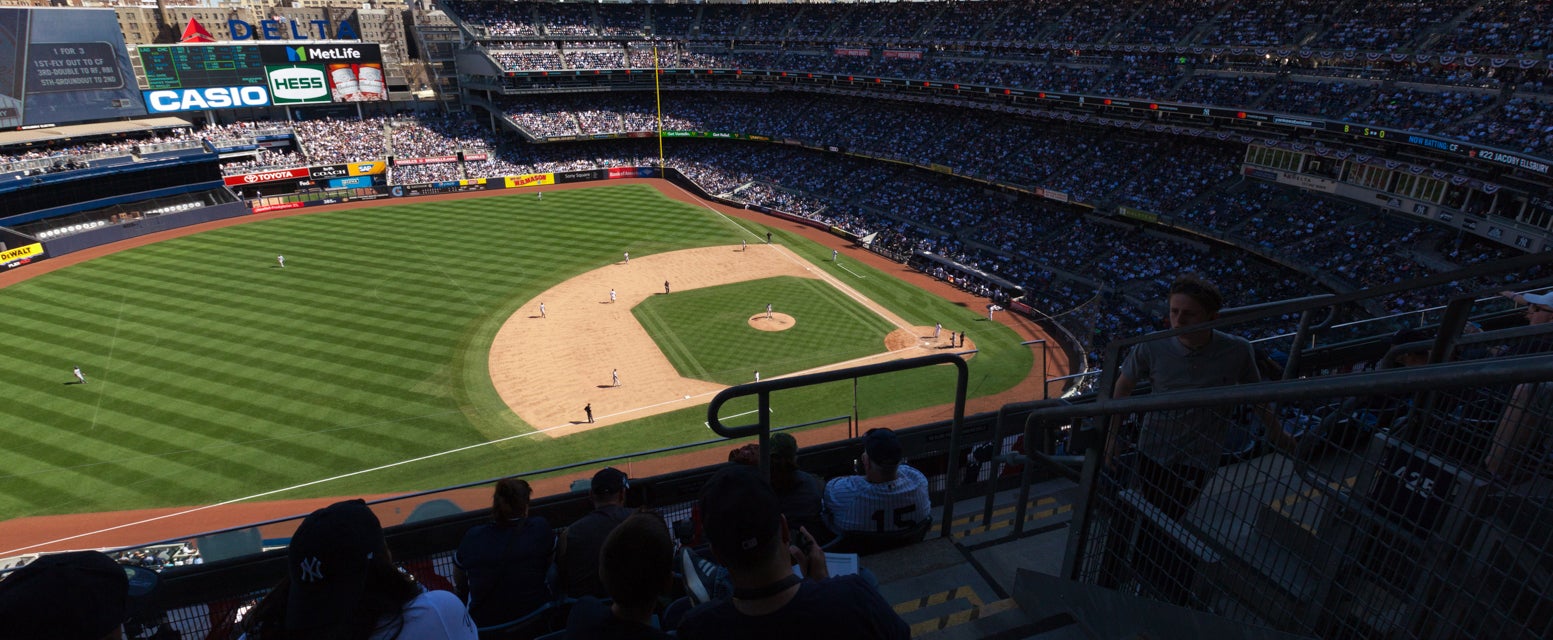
706 333
213 374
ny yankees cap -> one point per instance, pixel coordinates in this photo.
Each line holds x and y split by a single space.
882 447
74 595
741 513
608 481
328 563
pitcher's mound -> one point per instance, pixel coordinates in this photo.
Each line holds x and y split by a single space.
777 322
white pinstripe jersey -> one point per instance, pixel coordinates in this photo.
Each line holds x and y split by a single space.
855 504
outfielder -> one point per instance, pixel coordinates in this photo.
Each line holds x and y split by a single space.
832 255
628 257
78 375
281 260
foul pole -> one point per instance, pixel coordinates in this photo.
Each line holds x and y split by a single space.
657 93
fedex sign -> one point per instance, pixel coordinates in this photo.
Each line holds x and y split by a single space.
170 100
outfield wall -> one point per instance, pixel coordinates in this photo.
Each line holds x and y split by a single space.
114 233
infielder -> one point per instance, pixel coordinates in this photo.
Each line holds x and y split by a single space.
628 257
744 245
665 287
612 296
542 310
768 311
938 327
81 377
614 377
281 260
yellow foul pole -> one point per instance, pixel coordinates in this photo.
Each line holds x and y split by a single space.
658 96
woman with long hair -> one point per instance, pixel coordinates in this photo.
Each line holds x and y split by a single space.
500 567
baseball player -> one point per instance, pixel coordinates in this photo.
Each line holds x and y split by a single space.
80 377
540 195
665 287
628 257
612 296
768 237
832 255
542 310
281 260
768 311
938 327
744 245
757 376
588 409
614 377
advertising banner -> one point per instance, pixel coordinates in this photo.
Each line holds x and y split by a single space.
616 173
298 84
19 256
267 176
278 207
903 54
476 157
580 176
350 183
371 168
431 160
856 53
1138 214
529 180
329 171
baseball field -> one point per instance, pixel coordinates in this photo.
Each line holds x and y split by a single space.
401 347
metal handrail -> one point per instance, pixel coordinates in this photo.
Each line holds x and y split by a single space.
762 391
1438 377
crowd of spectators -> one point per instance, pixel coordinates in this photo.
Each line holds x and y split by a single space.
1502 26
331 141
416 173
1425 112
263 158
1520 124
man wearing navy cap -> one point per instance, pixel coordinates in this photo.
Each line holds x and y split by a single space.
577 554
79 595
889 496
744 524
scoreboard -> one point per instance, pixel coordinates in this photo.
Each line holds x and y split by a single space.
223 76
177 67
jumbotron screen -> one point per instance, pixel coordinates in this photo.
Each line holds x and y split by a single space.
63 65
194 77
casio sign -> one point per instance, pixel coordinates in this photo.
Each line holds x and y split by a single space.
206 98
298 84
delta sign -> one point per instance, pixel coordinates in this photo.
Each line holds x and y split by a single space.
291 30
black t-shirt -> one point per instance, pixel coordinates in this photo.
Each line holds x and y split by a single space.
578 568
506 565
843 607
591 619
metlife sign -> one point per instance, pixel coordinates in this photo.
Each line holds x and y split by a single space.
321 54
298 84
173 100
